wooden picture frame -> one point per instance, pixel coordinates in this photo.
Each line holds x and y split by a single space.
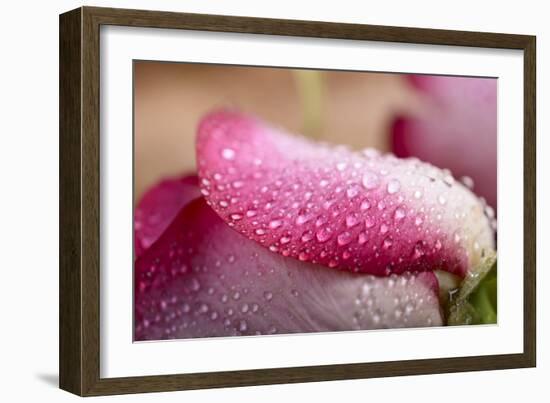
80 199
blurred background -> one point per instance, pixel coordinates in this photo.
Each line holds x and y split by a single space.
449 121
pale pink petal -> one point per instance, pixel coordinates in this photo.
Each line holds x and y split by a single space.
158 207
325 204
458 130
202 279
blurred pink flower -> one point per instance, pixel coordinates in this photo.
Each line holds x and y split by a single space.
457 130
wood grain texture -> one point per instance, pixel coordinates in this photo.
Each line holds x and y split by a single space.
80 201
70 271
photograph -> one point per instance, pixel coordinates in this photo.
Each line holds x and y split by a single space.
272 200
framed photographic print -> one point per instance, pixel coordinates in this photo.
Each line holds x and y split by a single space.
249 201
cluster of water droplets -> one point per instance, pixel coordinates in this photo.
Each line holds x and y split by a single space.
207 291
358 211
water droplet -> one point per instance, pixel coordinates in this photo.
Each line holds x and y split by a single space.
195 285
260 231
370 222
236 217
468 182
352 191
243 326
307 236
214 315
238 184
441 199
418 250
251 213
388 242
303 256
231 258
302 219
399 213
363 238
370 180
438 244
489 212
244 308
224 298
203 308
418 221
295 293
344 238
393 186
417 194
284 240
323 183
449 180
324 234
228 153
352 220
236 295
384 228
223 203
268 296
205 182
370 153
365 205
457 237
275 224
341 166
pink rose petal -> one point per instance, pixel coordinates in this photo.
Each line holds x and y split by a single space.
158 207
458 131
203 279
326 204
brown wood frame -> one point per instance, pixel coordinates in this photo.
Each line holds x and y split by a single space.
79 200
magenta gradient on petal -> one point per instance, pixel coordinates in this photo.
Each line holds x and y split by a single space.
158 207
458 129
203 279
328 205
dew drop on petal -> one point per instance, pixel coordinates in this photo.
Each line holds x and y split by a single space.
370 222
370 180
344 238
341 166
352 220
468 182
284 240
399 213
275 224
365 205
393 186
324 234
228 154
